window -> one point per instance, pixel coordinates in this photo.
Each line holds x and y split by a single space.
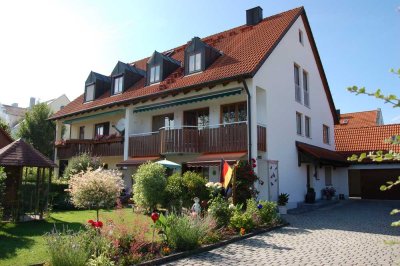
328 176
155 74
301 37
298 123
297 83
118 84
236 112
102 129
307 126
82 132
199 118
195 63
305 89
162 121
325 132
89 96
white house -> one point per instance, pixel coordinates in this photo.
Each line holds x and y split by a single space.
255 91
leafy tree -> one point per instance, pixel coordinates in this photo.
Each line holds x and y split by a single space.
81 163
195 186
5 126
381 156
38 130
149 187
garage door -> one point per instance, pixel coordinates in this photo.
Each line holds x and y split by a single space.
371 180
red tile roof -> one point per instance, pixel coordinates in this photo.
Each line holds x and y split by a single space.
20 153
364 139
359 119
244 48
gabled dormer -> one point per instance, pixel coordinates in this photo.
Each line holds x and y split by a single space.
159 67
95 85
199 56
124 76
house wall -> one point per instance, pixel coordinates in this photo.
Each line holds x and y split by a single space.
89 125
276 78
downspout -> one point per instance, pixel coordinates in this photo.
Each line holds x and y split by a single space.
248 119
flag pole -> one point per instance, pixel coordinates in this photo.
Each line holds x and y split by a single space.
234 184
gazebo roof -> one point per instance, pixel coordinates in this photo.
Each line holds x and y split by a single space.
20 153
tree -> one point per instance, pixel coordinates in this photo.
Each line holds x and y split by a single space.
81 163
380 156
95 189
38 130
5 126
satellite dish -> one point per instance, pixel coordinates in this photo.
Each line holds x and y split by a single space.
120 126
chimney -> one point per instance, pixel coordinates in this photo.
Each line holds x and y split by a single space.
254 16
32 101
338 112
14 105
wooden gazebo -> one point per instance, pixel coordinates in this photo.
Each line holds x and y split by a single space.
14 158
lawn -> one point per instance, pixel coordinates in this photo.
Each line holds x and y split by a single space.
23 243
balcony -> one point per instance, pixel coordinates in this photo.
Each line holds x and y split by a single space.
104 147
189 139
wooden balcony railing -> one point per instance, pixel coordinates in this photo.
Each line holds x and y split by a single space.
74 147
225 138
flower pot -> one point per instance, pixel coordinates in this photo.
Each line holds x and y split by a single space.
282 209
310 197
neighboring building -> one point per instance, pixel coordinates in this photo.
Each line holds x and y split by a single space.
365 132
255 91
12 114
5 139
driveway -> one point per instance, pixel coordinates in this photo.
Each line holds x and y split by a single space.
352 232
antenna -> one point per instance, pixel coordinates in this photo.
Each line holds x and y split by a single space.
120 126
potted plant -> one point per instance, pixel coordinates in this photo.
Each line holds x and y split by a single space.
310 196
329 192
283 199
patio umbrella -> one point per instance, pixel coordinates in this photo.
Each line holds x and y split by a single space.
169 164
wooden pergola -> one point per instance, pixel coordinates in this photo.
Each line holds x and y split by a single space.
14 158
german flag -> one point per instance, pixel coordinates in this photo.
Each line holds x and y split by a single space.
226 174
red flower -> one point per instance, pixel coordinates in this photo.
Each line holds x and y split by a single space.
253 160
90 221
154 216
99 224
254 165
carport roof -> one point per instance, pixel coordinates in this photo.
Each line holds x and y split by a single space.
312 154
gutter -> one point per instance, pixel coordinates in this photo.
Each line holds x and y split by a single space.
248 119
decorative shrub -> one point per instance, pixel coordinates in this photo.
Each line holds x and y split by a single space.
185 232
149 187
267 211
214 189
220 211
3 178
240 220
195 187
245 179
174 192
253 211
81 163
95 189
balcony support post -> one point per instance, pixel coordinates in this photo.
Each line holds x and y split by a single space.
128 130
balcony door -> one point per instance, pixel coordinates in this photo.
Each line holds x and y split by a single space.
162 121
197 118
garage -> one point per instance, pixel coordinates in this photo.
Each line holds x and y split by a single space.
365 183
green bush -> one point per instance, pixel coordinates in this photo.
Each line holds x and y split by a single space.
267 212
185 232
174 193
149 187
240 220
220 211
195 187
253 211
81 163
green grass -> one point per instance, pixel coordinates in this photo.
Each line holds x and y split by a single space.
24 244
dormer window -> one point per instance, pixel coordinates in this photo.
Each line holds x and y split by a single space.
155 74
118 85
195 63
89 94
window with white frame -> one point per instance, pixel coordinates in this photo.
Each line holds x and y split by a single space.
307 126
118 84
155 74
306 89
89 95
299 127
297 83
195 63
325 133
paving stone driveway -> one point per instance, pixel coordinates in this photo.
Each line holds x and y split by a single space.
352 232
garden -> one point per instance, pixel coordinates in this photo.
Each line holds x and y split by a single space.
167 215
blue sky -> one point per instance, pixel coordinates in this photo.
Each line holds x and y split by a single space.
55 44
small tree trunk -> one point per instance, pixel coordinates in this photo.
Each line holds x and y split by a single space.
97 213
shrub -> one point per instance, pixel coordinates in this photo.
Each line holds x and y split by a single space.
267 211
81 163
185 232
220 211
240 220
283 199
245 179
149 187
174 192
195 187
253 211
95 189
3 178
214 189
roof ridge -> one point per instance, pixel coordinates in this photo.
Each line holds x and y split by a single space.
363 127
359 112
